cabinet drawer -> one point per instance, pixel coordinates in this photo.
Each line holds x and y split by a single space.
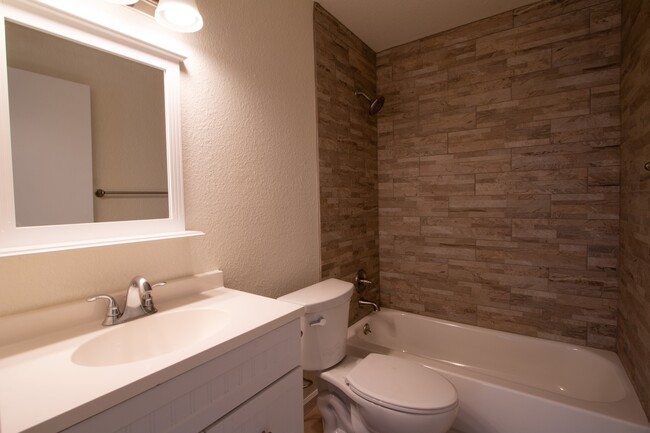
198 397
277 409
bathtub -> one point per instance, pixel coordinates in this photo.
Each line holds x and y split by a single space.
509 383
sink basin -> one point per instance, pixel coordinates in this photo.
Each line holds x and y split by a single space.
149 337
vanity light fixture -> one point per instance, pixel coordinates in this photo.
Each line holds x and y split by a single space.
179 15
123 2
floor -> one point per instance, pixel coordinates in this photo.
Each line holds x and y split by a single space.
313 422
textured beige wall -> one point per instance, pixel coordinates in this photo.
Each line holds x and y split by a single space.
250 169
634 304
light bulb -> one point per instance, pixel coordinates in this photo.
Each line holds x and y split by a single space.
123 2
179 15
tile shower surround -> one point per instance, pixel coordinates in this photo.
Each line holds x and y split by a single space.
499 172
498 169
347 142
634 303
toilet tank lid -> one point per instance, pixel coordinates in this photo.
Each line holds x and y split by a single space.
321 296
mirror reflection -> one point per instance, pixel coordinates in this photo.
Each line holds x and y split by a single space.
83 120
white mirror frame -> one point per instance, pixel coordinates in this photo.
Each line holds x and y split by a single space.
24 240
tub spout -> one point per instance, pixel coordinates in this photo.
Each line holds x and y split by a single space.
374 305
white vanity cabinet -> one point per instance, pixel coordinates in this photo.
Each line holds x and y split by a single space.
255 388
271 411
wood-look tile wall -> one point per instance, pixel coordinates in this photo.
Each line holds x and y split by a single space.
634 302
347 141
499 172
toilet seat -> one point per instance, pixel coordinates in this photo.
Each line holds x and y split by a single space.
402 385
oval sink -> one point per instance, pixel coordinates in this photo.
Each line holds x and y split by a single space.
149 337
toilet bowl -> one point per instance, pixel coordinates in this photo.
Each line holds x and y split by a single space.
375 394
381 394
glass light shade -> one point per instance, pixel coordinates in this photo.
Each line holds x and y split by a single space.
123 2
179 15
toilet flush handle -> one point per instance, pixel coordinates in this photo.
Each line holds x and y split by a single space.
320 322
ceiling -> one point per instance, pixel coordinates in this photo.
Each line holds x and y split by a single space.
384 24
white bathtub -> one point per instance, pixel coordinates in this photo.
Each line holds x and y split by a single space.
509 383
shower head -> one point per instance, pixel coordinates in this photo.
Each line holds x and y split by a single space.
375 104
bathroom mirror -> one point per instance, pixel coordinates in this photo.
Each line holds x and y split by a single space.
101 127
90 149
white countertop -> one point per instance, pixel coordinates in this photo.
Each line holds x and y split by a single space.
42 390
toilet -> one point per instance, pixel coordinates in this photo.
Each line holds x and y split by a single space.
375 394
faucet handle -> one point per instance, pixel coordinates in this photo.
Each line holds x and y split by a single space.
361 281
113 312
147 299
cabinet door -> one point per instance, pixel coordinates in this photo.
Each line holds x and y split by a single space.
277 409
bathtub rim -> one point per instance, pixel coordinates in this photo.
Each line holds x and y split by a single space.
626 410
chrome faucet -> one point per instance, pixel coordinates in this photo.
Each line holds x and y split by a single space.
139 302
375 306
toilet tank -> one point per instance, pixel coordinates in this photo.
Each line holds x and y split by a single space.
324 323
